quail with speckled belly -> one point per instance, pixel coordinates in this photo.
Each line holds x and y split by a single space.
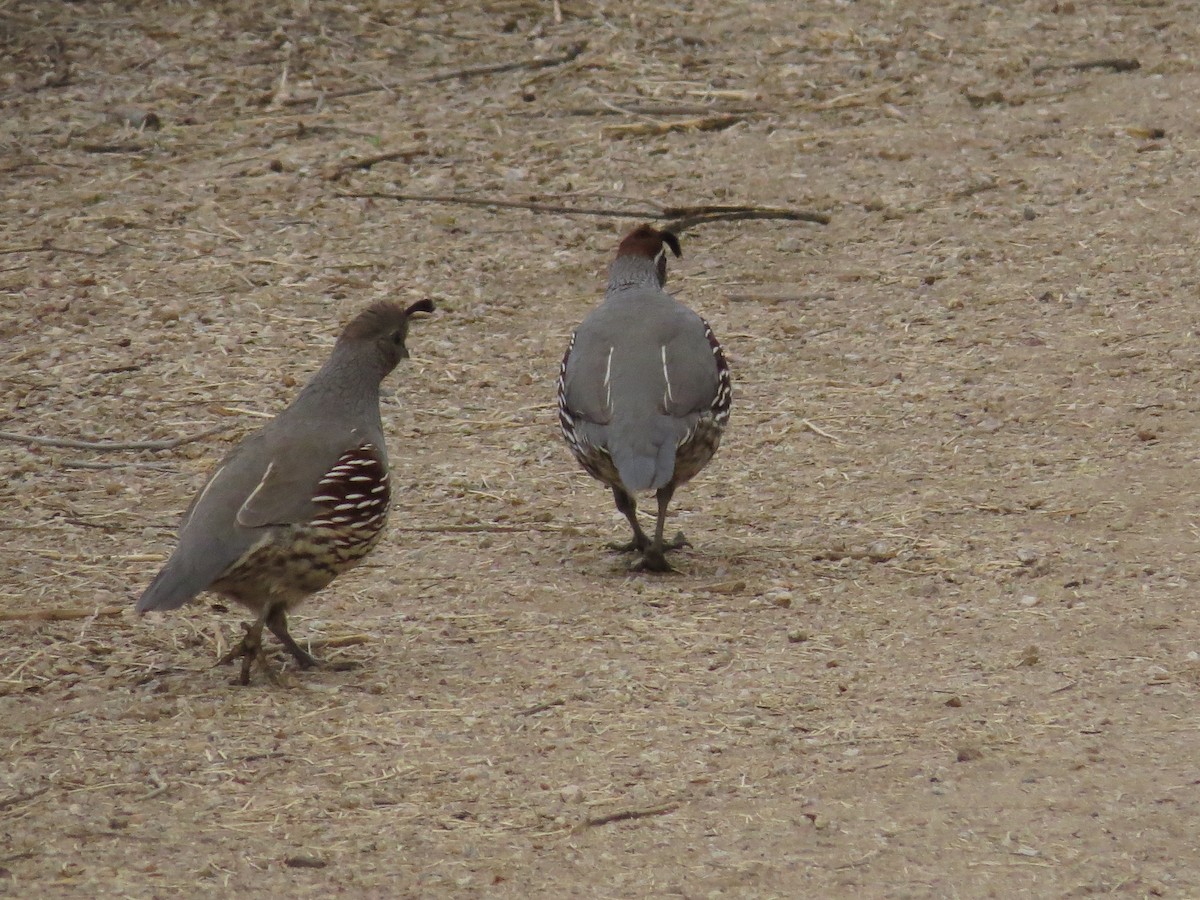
644 390
299 501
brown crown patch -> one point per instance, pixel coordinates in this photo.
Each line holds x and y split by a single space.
646 241
380 318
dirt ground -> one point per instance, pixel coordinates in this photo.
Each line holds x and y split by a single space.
936 636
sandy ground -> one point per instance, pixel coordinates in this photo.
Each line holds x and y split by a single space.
936 636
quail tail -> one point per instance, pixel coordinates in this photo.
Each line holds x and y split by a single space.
171 589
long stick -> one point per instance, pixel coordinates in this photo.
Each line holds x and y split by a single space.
57 615
626 815
537 62
684 216
104 446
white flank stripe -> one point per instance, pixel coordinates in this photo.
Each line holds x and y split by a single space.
261 484
208 486
608 379
669 397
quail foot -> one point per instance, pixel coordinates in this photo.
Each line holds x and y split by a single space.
298 502
644 390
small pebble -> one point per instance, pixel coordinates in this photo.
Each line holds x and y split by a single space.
137 118
880 551
304 862
780 598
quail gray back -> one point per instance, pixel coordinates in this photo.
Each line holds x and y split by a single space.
301 500
644 388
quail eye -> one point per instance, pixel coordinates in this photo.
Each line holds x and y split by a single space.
398 338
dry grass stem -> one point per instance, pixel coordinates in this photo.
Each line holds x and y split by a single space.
58 615
111 446
628 815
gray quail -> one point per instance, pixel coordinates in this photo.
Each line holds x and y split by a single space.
644 389
298 502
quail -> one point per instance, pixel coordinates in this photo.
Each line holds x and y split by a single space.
644 390
298 502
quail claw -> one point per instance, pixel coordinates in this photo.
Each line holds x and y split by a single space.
627 547
653 561
678 543
249 649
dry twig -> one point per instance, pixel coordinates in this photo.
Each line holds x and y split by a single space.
626 815
106 446
682 217
805 423
638 129
113 148
1116 63
657 109
537 62
21 797
48 246
541 707
406 154
92 464
57 615
688 220
873 555
345 640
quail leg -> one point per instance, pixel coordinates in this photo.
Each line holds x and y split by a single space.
654 556
277 621
248 650
627 506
